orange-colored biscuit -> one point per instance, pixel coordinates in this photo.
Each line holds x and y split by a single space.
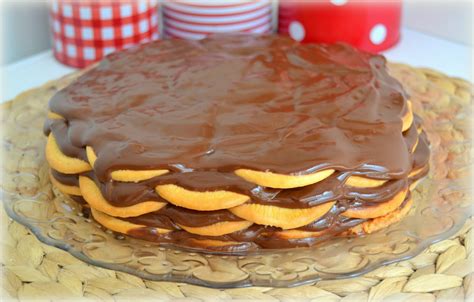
363 182
366 227
414 184
378 210
66 189
407 120
284 218
126 175
297 234
91 193
124 227
119 225
91 157
378 223
135 175
201 201
210 242
218 229
282 181
54 116
415 145
414 173
419 128
61 162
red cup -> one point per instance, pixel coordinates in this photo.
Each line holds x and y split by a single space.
192 19
366 24
85 31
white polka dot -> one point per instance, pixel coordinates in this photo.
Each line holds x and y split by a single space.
297 31
338 2
378 33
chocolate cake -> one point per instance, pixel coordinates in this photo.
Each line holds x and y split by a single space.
237 143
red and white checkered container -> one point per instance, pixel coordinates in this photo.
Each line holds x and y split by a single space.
85 31
196 19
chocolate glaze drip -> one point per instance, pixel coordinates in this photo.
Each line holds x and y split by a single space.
257 236
171 216
421 155
332 218
332 188
264 103
249 239
79 200
60 128
66 179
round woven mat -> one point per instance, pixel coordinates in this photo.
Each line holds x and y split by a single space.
443 272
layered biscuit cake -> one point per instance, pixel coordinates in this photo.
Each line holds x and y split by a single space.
237 143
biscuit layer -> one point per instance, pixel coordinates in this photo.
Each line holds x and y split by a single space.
54 116
363 182
379 223
94 198
61 162
69 190
218 229
280 217
126 175
377 210
119 225
201 201
407 120
281 181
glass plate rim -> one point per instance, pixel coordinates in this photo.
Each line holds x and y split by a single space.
421 245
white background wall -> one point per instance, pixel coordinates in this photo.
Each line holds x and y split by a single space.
25 25
24 29
451 20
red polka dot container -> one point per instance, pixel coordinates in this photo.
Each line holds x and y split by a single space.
369 25
196 19
85 31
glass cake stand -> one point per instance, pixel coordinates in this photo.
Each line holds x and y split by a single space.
442 204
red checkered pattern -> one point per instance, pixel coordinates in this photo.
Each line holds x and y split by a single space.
86 31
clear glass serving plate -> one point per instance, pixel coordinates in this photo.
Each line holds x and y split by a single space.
442 203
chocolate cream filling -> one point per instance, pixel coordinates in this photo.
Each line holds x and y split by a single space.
332 188
254 237
171 216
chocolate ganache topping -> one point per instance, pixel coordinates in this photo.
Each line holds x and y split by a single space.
266 103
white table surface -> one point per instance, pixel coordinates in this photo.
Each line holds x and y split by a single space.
414 48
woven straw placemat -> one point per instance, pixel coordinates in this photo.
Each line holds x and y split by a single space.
443 272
